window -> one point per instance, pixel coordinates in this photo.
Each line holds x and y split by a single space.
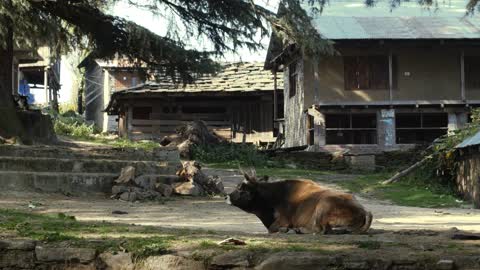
292 79
142 113
366 72
420 128
351 128
310 130
472 72
134 81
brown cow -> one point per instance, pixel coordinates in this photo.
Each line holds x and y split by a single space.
301 205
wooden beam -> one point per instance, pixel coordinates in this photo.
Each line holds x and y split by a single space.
462 75
390 75
275 102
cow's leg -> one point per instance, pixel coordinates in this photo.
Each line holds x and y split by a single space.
279 225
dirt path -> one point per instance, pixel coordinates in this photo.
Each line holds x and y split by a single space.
214 214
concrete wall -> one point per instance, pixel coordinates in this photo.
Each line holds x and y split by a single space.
295 117
468 175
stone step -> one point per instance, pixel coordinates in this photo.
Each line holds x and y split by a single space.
43 164
62 182
56 151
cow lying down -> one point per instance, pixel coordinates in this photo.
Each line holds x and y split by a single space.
299 205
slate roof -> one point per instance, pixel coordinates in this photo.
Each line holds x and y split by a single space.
474 140
233 78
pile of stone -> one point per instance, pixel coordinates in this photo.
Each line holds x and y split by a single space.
189 180
190 135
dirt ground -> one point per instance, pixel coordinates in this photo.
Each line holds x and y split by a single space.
214 214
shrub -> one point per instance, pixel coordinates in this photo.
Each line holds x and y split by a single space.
230 153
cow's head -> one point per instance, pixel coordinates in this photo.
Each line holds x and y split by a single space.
245 195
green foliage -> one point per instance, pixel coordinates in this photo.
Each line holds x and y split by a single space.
441 168
73 125
231 154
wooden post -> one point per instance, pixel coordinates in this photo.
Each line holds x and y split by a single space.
129 121
275 102
390 75
45 85
462 76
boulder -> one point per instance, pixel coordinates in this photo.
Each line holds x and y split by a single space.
127 175
300 260
165 190
128 196
118 261
118 189
17 244
48 254
188 188
169 262
17 259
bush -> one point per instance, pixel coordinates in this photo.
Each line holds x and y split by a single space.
230 153
71 124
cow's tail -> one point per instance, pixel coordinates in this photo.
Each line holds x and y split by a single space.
368 222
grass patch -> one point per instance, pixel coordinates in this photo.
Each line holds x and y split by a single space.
275 171
406 192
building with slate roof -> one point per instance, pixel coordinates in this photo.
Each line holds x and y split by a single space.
401 77
237 103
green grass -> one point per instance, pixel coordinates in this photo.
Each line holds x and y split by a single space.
406 192
275 172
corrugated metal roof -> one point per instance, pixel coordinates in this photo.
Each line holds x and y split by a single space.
474 140
352 19
338 28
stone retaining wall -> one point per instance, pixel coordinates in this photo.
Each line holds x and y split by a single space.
28 254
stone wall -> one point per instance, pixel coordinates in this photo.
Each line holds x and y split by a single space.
468 174
28 254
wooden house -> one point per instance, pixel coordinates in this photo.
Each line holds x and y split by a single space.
102 79
399 77
237 103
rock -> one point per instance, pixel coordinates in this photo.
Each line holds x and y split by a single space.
144 181
127 175
82 255
118 261
165 190
357 265
445 265
299 260
17 244
232 259
17 259
184 149
128 196
118 189
90 266
188 188
215 185
169 262
148 195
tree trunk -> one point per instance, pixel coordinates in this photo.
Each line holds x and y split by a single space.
6 62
